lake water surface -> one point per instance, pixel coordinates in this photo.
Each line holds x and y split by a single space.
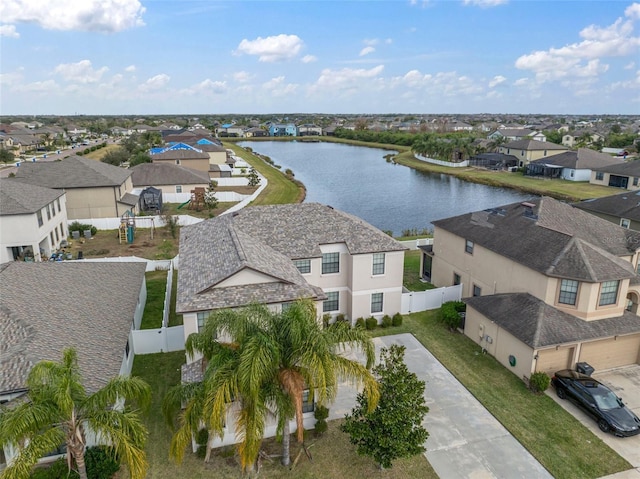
391 197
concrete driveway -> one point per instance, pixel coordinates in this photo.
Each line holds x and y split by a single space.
465 440
625 382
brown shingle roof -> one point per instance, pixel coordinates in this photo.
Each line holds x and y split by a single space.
158 174
46 307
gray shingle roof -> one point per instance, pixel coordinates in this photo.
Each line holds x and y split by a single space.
624 205
539 325
180 155
157 174
46 307
532 145
265 240
19 199
72 172
554 239
584 158
629 168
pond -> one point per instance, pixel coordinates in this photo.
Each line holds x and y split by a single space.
391 197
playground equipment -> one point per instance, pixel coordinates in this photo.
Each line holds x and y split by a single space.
127 227
197 199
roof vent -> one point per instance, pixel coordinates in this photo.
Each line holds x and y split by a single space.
528 205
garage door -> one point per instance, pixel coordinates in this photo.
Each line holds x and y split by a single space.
552 360
611 353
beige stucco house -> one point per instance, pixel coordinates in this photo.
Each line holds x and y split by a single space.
93 189
624 175
33 221
530 150
547 285
168 178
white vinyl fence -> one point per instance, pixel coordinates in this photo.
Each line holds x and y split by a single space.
161 340
450 164
141 222
430 299
413 244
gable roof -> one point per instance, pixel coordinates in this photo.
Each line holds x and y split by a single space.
584 158
265 239
540 325
94 316
150 174
552 238
623 205
17 198
180 154
533 145
72 172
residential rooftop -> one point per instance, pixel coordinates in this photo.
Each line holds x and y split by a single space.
19 199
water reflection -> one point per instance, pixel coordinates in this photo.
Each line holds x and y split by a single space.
391 197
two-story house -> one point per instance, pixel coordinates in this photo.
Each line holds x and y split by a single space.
47 307
530 150
278 254
624 175
33 221
281 129
93 189
547 285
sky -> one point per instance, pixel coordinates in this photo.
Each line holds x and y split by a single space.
128 57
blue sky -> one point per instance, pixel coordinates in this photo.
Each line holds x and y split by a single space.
396 56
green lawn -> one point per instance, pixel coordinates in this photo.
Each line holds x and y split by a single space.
412 272
558 440
333 456
280 189
156 285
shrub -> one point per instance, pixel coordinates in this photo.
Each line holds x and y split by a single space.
397 319
342 318
77 226
449 313
321 414
79 153
360 323
326 317
202 437
386 321
100 463
371 323
539 382
56 470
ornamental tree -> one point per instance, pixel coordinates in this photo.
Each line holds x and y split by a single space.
394 429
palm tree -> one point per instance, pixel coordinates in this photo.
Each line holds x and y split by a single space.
58 411
265 365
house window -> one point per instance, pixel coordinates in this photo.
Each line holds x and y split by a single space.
625 223
62 235
468 246
56 232
477 291
635 181
545 152
178 188
48 208
303 265
53 209
332 302
201 319
609 293
286 306
568 291
307 401
58 204
378 263
177 162
456 279
330 263
376 302
599 175
52 240
39 215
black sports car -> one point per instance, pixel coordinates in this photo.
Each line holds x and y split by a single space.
598 401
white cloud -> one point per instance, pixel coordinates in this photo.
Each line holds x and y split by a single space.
583 58
485 3
86 15
372 42
155 82
12 78
497 80
347 78
521 82
242 76
47 86
80 72
130 69
309 59
205 87
278 87
366 51
9 31
272 49
633 11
